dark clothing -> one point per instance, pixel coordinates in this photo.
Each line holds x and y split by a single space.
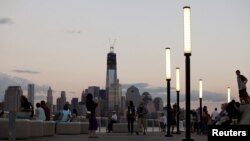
110 125
91 106
27 107
131 125
46 111
131 112
141 111
131 118
93 123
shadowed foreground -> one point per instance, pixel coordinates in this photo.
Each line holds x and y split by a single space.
120 137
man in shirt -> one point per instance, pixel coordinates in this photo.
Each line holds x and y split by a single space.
112 121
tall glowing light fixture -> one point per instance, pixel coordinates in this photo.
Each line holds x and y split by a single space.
187 53
228 94
178 98
168 64
168 78
200 97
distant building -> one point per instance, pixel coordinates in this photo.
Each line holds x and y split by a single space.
112 83
62 99
102 94
74 104
12 98
134 95
146 97
94 90
31 93
115 92
158 104
83 96
58 104
123 105
50 99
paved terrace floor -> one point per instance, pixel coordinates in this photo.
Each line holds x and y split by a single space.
151 136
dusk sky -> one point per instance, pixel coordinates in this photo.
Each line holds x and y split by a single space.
64 43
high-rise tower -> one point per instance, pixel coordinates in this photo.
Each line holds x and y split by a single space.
31 93
12 98
112 83
50 99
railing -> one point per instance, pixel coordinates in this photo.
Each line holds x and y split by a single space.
152 125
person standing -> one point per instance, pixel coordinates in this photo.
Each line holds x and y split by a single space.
242 81
131 117
91 107
141 115
163 122
214 115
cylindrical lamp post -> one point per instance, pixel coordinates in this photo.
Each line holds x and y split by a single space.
200 97
178 99
228 95
187 53
168 78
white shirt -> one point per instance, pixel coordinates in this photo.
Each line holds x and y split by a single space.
40 114
214 115
114 117
163 119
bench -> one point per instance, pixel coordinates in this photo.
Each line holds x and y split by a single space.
22 128
68 128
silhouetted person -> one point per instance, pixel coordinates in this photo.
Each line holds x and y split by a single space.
131 117
141 116
242 81
26 106
74 115
91 107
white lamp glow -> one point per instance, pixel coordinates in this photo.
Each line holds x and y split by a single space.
168 69
178 79
200 92
228 95
187 30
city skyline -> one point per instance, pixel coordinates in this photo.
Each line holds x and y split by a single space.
66 46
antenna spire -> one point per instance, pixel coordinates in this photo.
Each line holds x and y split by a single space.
112 45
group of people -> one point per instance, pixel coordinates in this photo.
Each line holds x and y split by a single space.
228 112
42 111
138 114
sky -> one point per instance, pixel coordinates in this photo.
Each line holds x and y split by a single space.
64 44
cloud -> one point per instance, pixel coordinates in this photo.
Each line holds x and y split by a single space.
5 21
7 80
26 71
162 92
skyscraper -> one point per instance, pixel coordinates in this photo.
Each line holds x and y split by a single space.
111 81
31 93
133 94
50 99
94 90
62 100
12 98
